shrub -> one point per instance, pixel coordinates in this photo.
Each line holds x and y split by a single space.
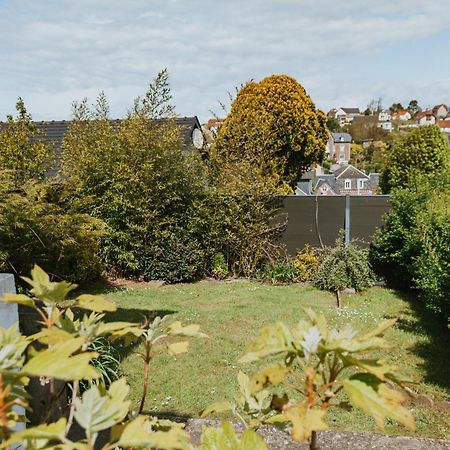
344 266
412 249
306 264
33 229
280 272
219 266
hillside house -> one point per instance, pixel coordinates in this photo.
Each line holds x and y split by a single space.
444 125
440 111
346 115
402 115
345 180
338 147
426 117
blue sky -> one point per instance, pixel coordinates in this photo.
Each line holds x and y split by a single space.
344 53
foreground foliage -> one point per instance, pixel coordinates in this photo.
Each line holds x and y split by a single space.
66 356
309 365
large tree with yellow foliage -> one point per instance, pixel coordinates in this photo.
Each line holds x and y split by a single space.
274 124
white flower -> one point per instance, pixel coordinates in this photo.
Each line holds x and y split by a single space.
311 341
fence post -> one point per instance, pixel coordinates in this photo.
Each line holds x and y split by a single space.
347 219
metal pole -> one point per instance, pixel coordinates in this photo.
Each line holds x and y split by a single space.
347 219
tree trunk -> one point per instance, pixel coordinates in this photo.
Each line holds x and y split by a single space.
338 299
313 442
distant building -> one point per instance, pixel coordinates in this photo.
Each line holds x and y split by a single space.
444 125
384 115
344 115
402 115
426 117
345 180
214 124
338 147
440 111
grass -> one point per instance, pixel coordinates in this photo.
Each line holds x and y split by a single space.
232 313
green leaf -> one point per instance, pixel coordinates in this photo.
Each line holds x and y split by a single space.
178 347
273 339
270 375
377 367
380 329
224 438
217 407
99 409
177 329
138 434
370 394
46 290
60 362
95 303
304 421
12 346
18 299
39 436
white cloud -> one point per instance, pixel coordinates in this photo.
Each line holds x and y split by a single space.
52 52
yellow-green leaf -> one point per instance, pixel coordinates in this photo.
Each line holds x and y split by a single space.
60 362
95 303
99 409
178 347
46 290
304 421
18 299
367 392
177 329
138 434
216 408
270 375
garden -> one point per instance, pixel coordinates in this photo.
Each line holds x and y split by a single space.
160 291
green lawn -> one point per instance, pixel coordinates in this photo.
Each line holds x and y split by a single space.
232 313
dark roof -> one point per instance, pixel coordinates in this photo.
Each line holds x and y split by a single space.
350 172
53 132
351 110
304 187
329 179
341 137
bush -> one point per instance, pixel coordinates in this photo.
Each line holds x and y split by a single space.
344 266
280 272
412 250
219 266
33 229
306 264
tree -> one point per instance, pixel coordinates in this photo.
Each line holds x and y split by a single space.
374 107
424 150
23 154
396 107
414 107
274 124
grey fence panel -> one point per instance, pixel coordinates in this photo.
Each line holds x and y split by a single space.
317 220
302 227
366 215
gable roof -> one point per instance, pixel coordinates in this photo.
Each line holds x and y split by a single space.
351 110
341 137
444 123
350 172
436 108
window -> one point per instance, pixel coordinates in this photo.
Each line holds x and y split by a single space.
347 184
341 151
360 184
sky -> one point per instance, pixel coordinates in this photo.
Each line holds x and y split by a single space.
345 53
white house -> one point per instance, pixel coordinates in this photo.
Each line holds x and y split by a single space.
425 118
346 115
401 115
444 125
441 111
384 115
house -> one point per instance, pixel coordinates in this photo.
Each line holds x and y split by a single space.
53 133
444 125
346 115
345 180
402 115
426 117
440 111
214 124
384 115
386 125
338 147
